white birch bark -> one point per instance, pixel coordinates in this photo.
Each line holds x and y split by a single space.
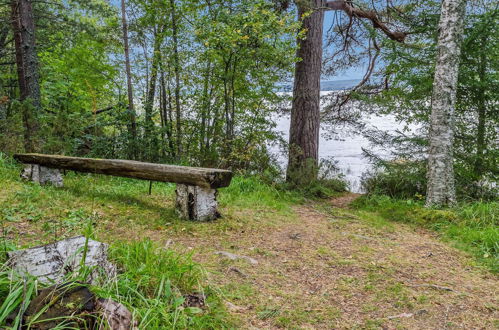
441 188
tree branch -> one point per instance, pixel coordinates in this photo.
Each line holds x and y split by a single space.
371 15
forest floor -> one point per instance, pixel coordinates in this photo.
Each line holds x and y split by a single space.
314 264
334 268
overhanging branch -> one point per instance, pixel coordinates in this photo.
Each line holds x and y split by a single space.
371 15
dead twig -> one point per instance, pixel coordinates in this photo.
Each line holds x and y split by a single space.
431 286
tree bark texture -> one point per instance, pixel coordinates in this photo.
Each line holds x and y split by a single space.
196 203
305 111
482 113
441 187
195 176
23 25
176 59
131 109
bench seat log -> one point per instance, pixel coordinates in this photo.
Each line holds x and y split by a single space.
196 187
194 176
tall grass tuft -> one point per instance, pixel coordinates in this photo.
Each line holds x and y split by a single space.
152 283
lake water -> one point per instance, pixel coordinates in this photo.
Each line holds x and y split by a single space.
345 148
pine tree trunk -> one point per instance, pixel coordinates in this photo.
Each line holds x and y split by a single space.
23 26
131 109
305 111
441 187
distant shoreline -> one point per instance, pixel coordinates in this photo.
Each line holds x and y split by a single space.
326 85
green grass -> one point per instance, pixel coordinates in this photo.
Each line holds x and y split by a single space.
152 284
152 281
472 227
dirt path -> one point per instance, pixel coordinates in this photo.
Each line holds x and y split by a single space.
332 268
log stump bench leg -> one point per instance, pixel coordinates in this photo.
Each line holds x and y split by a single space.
196 203
42 175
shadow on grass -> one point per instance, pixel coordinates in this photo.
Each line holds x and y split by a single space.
102 196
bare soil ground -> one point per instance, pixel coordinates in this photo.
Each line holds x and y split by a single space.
331 268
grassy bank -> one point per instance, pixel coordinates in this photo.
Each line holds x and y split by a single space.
154 280
320 264
472 227
153 283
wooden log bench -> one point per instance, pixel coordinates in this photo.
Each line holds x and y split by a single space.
196 192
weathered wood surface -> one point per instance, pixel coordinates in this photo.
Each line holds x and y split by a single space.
42 175
195 176
196 203
52 262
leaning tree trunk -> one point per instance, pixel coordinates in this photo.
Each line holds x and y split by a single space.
23 25
441 188
305 112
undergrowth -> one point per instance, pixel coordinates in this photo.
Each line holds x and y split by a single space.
473 227
152 283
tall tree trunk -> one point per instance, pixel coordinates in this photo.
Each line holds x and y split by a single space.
27 69
441 187
482 112
151 93
131 110
305 111
169 116
205 105
176 59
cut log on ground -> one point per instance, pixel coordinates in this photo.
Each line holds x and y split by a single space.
53 262
196 203
42 175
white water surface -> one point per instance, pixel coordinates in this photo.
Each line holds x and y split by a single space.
346 147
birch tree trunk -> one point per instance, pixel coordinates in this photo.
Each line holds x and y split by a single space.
441 187
305 112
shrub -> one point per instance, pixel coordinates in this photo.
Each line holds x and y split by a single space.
396 179
407 179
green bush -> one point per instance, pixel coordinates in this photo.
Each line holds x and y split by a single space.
407 179
396 179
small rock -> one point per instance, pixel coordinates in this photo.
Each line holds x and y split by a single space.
234 308
403 315
233 256
115 315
